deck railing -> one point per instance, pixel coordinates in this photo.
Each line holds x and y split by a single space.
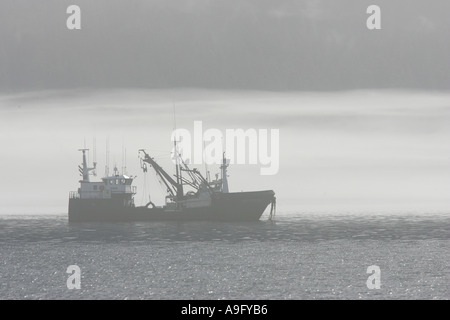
74 195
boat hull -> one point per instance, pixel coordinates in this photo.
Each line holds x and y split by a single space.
236 206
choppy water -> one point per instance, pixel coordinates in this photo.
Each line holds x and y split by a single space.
297 256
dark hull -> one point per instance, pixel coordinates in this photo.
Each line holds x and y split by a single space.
238 206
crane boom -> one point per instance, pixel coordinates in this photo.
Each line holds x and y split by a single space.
174 188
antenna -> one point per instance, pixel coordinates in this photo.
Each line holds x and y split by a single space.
116 171
94 155
84 147
123 157
175 143
125 162
174 118
107 158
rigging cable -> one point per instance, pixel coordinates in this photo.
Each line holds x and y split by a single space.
144 192
273 209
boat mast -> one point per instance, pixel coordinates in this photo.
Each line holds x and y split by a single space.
94 157
85 170
107 158
208 180
223 168
179 187
177 163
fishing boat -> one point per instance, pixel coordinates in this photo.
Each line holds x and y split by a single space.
112 198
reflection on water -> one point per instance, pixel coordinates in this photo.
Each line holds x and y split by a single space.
284 228
294 257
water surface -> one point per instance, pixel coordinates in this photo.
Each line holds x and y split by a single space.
297 256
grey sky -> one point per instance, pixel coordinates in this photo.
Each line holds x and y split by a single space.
223 44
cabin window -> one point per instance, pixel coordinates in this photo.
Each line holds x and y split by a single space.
95 188
110 181
117 181
122 181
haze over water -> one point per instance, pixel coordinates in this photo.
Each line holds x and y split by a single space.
344 150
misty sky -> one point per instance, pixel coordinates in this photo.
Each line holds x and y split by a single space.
223 44
364 116
342 149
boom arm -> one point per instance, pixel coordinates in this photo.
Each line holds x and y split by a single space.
173 187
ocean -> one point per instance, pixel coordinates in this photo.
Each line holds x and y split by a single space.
297 256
